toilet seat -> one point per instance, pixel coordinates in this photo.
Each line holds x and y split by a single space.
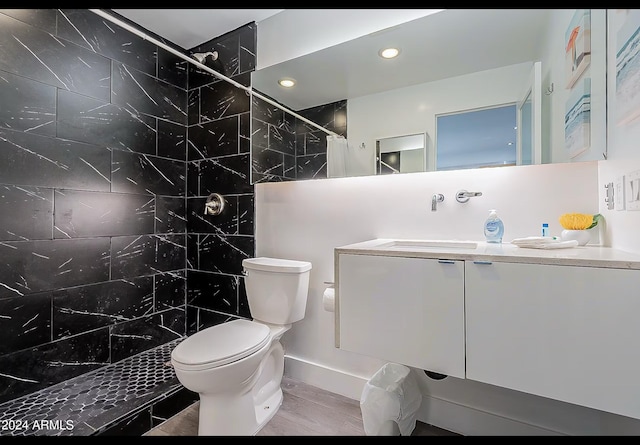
220 344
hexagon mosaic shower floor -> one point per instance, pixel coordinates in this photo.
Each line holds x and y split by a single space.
91 402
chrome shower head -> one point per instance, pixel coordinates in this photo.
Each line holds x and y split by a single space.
201 57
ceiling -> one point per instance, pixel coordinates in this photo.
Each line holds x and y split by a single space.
450 43
189 28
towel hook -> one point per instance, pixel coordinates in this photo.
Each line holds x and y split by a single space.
215 204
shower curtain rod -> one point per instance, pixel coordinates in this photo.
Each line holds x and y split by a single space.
145 36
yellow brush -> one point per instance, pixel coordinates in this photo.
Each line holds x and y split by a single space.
579 221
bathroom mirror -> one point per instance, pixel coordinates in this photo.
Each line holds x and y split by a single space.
401 154
453 61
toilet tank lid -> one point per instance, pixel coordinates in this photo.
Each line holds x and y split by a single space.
276 265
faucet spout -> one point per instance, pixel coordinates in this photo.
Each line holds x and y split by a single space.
435 199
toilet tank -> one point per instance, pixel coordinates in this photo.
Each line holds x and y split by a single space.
277 289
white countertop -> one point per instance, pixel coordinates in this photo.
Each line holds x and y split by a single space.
586 256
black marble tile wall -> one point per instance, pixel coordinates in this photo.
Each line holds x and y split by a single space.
214 138
141 173
311 143
44 19
27 106
219 135
85 308
200 318
220 99
213 291
312 166
172 140
226 174
273 143
94 121
80 214
93 208
93 32
146 254
32 369
223 253
30 159
170 289
38 55
25 320
170 215
29 213
172 68
150 95
34 266
285 148
144 333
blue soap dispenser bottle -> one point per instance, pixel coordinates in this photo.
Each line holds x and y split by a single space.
493 228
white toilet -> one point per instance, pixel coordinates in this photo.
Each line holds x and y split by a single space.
237 367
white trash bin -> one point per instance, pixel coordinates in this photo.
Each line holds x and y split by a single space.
390 402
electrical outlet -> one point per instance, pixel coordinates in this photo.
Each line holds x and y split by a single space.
632 190
618 193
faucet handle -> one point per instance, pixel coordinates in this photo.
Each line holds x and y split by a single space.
463 195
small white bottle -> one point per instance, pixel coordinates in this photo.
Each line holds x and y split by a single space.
545 229
493 228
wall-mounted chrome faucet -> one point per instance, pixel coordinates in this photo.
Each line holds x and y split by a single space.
435 199
463 195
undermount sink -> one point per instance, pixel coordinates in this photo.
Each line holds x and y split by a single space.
426 244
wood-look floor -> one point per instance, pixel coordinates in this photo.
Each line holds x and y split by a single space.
305 411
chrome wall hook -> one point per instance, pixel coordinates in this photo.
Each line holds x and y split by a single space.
215 204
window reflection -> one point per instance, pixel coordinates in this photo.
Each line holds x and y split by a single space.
484 137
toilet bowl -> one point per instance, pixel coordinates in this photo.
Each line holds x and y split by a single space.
237 367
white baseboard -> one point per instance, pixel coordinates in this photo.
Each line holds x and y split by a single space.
444 414
323 377
469 421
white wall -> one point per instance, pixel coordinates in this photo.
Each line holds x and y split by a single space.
305 220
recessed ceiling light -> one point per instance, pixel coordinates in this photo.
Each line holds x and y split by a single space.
389 53
287 82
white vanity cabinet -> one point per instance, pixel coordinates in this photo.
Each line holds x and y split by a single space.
565 332
404 310
562 323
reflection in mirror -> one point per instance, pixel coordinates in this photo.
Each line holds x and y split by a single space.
402 154
452 61
477 138
524 153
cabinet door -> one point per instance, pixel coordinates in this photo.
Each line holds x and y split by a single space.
562 332
405 310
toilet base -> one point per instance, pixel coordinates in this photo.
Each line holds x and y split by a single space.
221 416
232 414
268 409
